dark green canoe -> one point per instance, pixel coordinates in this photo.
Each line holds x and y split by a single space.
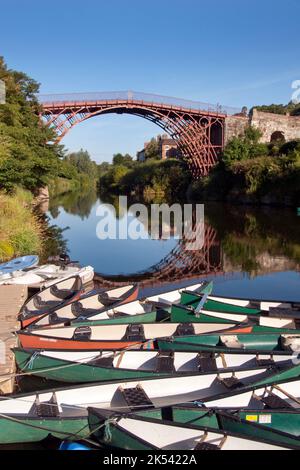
231 342
279 425
21 429
157 429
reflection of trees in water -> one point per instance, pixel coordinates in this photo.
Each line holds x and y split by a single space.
257 239
54 242
77 203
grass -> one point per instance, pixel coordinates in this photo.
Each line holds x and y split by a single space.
20 232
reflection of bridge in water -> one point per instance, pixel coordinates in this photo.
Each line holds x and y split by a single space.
180 264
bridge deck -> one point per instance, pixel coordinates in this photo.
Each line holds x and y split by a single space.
11 300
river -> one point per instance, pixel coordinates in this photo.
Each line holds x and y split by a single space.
247 251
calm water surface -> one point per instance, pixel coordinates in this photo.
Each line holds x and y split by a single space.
247 251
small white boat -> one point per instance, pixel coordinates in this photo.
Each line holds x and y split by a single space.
46 275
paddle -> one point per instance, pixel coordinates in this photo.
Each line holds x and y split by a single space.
200 305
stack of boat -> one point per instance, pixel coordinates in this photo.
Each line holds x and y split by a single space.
182 370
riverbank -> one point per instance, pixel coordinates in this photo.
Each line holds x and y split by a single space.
20 231
261 181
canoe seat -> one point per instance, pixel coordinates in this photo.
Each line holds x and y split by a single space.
278 312
184 329
106 361
264 362
62 294
134 332
54 318
78 310
46 409
206 446
105 300
273 401
231 341
254 304
206 362
231 382
39 303
136 398
165 362
118 314
82 333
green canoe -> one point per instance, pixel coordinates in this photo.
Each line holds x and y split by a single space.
282 341
188 429
19 428
286 421
89 366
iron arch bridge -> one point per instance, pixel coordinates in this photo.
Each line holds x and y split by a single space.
198 128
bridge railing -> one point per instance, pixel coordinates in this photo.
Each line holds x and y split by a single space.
136 96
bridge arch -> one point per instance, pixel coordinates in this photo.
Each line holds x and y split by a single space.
197 128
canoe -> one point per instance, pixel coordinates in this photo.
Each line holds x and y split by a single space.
250 422
32 417
224 312
87 305
46 275
24 417
111 337
136 432
8 269
256 304
87 366
238 342
62 293
94 313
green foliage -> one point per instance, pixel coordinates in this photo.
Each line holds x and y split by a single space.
20 232
244 147
292 108
81 162
123 160
27 156
170 177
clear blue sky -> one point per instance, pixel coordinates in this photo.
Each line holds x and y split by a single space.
235 52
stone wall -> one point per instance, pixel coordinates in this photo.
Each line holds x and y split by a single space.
269 123
235 126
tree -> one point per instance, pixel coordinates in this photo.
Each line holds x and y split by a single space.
152 149
125 160
28 156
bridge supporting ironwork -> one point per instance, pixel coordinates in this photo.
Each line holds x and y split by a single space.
197 128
